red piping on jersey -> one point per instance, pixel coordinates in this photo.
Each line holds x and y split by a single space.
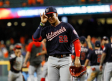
38 39
77 47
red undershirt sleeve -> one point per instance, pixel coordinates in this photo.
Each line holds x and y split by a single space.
77 47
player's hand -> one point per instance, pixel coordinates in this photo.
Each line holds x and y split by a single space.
100 67
24 64
88 38
77 62
18 54
38 54
43 18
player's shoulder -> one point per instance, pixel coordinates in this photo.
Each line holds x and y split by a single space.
66 24
108 45
92 51
12 56
34 42
89 49
46 27
31 43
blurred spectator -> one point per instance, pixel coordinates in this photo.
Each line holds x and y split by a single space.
104 41
83 1
24 4
3 50
6 3
31 2
11 40
8 44
11 47
22 40
1 3
40 1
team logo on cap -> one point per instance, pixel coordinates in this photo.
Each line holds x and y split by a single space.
47 10
97 45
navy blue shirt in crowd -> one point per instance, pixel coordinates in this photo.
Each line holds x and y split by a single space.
108 50
83 54
95 56
59 38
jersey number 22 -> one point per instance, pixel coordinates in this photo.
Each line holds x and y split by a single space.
63 39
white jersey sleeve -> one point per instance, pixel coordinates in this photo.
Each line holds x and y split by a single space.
12 56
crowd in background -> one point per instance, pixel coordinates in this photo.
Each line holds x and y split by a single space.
90 28
6 47
23 3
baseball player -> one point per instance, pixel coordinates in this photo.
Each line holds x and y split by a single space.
107 52
83 55
59 36
94 57
45 71
105 41
84 50
16 62
45 67
35 51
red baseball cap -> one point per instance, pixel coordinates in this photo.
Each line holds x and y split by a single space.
50 10
17 46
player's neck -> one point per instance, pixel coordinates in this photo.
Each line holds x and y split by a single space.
82 45
110 39
56 23
97 48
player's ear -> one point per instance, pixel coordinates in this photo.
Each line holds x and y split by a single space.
56 14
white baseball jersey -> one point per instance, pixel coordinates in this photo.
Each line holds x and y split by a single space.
16 62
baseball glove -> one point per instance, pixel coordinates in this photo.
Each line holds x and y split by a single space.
77 71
